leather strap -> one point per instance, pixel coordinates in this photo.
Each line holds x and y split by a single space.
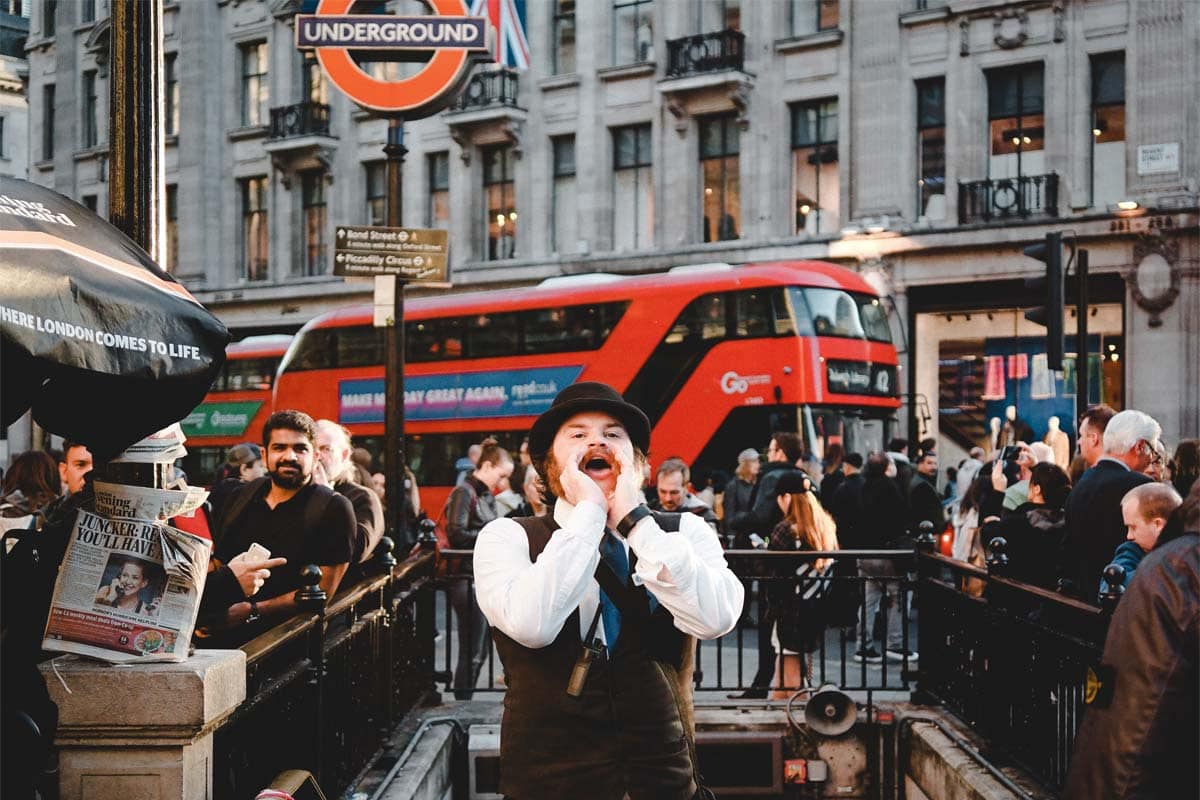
639 513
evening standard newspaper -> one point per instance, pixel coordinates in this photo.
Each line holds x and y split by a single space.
128 590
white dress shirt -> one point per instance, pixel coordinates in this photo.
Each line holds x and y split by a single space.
530 602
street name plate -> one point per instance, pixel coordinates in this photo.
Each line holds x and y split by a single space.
413 254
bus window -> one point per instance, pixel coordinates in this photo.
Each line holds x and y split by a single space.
559 330
491 335
854 431
434 339
612 313
703 320
359 346
786 318
314 350
838 313
752 312
248 373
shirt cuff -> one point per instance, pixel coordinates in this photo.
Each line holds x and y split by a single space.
587 520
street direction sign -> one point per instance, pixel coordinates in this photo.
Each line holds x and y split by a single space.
411 254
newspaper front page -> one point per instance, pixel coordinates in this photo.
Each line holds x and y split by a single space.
128 589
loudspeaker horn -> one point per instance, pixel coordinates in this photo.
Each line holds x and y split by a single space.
830 712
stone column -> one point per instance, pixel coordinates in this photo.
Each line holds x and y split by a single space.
142 731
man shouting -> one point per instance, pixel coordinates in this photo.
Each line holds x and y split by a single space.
595 607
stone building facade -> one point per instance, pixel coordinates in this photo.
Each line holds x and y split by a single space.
923 142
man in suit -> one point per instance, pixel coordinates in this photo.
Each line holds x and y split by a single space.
1095 527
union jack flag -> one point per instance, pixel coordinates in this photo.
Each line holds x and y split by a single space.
508 19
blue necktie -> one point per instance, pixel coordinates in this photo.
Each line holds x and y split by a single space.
612 550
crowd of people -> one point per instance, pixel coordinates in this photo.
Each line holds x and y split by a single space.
307 495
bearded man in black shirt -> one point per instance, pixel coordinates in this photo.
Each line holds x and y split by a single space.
297 520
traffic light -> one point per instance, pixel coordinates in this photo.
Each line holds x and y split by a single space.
1049 315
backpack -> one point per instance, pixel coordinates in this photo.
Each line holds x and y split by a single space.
445 566
240 499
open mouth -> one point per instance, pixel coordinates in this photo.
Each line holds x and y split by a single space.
597 466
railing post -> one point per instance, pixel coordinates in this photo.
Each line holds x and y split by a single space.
997 556
426 605
386 562
1114 588
312 599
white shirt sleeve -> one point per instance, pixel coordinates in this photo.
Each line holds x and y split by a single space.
688 574
531 601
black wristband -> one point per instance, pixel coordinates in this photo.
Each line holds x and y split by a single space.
639 513
253 611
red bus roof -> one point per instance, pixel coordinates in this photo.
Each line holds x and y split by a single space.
620 287
275 344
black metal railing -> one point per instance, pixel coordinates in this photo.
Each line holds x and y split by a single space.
493 87
706 52
325 688
1008 198
730 663
1009 658
300 119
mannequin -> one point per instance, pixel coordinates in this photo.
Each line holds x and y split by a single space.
1015 429
1059 442
993 439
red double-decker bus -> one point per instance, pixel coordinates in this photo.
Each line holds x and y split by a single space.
236 406
719 357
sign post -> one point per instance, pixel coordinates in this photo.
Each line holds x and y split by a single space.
400 255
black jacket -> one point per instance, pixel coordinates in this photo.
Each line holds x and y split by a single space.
468 508
764 512
884 520
1143 743
1034 535
1095 528
924 505
829 486
368 517
738 494
847 512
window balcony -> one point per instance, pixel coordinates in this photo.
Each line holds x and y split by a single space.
299 138
1004 199
703 53
300 119
486 90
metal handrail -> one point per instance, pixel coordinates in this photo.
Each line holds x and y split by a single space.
706 52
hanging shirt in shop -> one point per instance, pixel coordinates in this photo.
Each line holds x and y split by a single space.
1018 366
1041 383
993 378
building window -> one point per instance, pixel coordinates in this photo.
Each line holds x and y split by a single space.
254 84
437 213
316 245
1016 122
931 148
564 228
815 166
172 251
90 203
719 15
49 14
633 189
255 232
721 195
1108 128
501 221
171 95
633 31
87 11
813 16
3 148
564 36
316 85
87 131
376 193
48 122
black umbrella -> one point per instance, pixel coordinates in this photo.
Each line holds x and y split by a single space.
101 343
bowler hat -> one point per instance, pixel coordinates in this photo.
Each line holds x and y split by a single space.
588 396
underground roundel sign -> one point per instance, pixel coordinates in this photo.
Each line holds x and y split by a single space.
452 36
